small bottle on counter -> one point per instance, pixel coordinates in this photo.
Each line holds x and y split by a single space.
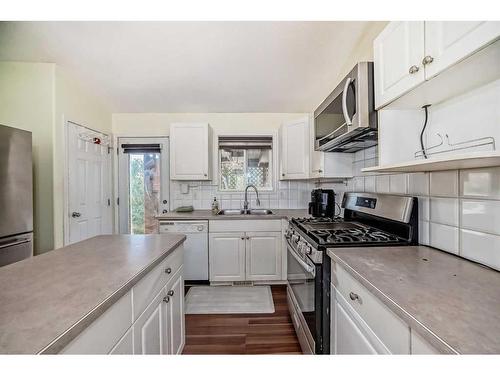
215 206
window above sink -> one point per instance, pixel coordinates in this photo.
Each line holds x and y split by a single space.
245 160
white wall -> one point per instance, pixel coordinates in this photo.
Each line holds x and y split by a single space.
75 103
26 102
40 97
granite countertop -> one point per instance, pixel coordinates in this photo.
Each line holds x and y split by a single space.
47 300
452 302
207 215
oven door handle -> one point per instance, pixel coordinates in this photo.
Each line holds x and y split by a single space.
348 120
306 266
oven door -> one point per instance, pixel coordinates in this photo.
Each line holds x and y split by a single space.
302 283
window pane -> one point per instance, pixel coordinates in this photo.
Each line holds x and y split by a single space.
144 197
258 170
232 169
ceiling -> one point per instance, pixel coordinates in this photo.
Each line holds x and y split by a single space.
193 66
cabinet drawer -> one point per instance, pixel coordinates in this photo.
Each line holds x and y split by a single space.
105 332
387 326
145 290
248 225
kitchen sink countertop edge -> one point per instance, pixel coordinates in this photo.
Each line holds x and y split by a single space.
448 300
208 215
48 300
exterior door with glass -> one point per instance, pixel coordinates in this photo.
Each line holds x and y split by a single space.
143 189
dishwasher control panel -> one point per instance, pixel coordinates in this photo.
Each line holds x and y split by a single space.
183 226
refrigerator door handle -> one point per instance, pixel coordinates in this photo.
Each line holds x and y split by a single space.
15 242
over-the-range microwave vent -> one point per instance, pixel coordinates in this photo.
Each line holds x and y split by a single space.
353 144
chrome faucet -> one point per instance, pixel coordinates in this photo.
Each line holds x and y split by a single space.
245 203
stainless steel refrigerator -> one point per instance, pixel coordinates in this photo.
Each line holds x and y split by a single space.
16 195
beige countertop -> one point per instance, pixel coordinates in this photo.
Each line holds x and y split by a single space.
452 302
207 215
47 300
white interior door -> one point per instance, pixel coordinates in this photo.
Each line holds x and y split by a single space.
143 183
89 184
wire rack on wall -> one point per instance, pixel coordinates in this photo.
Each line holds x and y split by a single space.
437 148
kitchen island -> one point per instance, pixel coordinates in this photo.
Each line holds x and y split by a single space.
50 302
437 298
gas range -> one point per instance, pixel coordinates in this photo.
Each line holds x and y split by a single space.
369 220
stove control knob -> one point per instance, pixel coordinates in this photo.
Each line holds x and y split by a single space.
295 238
307 250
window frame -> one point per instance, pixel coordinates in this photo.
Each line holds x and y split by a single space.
274 153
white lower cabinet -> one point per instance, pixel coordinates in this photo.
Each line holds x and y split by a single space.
150 329
263 256
237 255
227 256
156 325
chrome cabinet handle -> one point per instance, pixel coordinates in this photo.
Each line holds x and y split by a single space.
168 270
427 60
166 299
353 296
413 69
170 293
76 214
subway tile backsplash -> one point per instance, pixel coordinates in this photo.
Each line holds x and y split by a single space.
288 194
459 211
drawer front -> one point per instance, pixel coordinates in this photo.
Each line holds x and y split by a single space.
387 326
147 288
249 225
297 323
105 332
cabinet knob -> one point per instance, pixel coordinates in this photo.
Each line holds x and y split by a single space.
283 175
413 69
168 270
166 299
427 60
204 174
243 238
170 293
353 296
248 238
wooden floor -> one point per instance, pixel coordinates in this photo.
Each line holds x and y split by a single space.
243 333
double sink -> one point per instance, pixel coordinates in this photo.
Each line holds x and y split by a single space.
246 212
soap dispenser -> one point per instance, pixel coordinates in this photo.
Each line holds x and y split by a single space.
215 206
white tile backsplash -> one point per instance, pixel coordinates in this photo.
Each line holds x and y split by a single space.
418 183
444 211
382 184
444 237
370 184
444 184
398 184
480 215
480 247
482 182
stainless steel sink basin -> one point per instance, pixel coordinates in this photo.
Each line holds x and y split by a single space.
259 212
248 212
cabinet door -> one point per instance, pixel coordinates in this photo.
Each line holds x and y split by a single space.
447 42
175 314
150 331
295 149
189 151
398 53
263 256
227 256
125 345
348 337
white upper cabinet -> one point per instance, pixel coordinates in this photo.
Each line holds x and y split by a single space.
295 140
398 53
406 54
449 42
190 151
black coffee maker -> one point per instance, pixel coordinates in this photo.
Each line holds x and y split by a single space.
322 203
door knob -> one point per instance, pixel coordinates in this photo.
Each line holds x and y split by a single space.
170 293
76 214
168 270
166 299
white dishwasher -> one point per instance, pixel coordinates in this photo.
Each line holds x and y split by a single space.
195 247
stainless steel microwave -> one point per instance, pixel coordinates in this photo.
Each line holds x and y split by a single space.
346 121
